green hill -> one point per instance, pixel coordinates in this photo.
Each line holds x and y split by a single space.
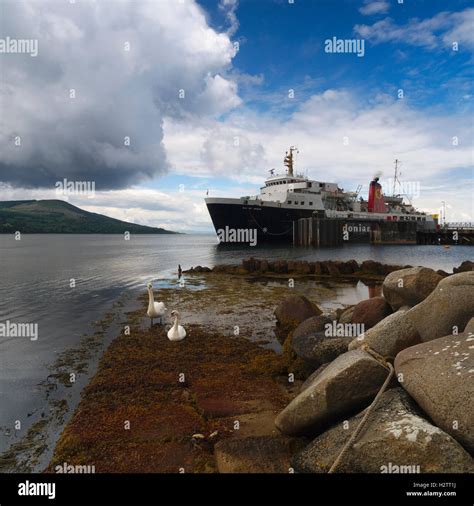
59 217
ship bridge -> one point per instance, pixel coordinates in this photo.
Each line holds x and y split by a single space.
280 187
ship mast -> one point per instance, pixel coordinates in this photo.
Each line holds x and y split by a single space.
288 161
395 178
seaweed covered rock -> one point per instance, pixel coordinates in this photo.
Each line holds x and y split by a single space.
249 264
447 309
302 267
439 375
333 269
256 454
369 312
409 286
317 348
348 267
311 326
466 266
294 310
346 315
372 267
280 266
263 266
310 342
390 336
377 268
350 382
396 438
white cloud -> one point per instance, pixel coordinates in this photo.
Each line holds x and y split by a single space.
374 7
173 48
119 93
229 7
439 31
246 145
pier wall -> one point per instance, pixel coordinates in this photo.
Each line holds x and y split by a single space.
318 232
327 232
393 232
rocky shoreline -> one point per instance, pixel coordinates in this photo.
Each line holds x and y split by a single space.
367 269
219 403
423 324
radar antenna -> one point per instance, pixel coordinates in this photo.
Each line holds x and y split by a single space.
395 178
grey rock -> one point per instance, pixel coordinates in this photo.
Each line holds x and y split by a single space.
349 383
439 375
317 348
371 311
294 310
466 266
390 336
346 316
449 306
409 286
313 376
396 438
469 329
404 308
311 326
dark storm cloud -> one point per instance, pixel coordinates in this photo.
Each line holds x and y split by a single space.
90 105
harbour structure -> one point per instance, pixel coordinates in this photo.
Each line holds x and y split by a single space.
289 197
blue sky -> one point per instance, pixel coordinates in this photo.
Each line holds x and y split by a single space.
285 43
282 44
236 119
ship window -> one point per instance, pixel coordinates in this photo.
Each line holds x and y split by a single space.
302 203
310 203
289 202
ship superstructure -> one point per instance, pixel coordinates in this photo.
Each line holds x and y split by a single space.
287 197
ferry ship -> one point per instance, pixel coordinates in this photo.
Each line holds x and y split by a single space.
287 197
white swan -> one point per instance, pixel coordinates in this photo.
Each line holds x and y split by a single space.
155 309
176 332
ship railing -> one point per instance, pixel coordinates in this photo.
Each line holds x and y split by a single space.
458 226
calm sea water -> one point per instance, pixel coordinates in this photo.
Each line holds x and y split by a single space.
35 279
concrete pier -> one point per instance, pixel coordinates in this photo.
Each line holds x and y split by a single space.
318 232
452 233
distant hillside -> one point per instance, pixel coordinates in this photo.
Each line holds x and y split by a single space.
59 217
